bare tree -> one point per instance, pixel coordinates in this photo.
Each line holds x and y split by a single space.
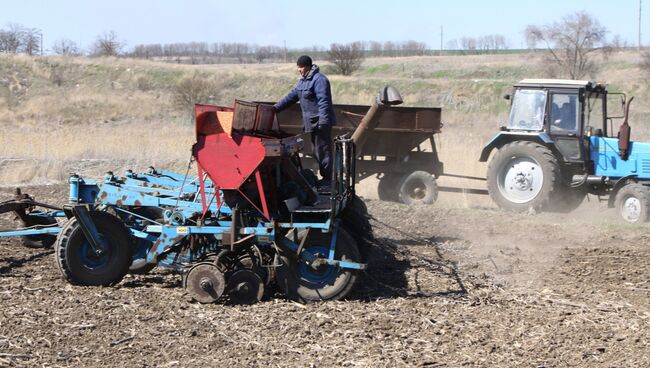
65 46
347 58
618 43
11 38
262 53
468 44
570 43
389 48
31 41
191 90
375 48
108 44
452 44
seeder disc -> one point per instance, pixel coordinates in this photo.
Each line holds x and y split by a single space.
205 283
245 287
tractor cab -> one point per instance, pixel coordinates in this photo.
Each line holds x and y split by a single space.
564 111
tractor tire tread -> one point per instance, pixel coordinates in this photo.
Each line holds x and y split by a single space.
548 161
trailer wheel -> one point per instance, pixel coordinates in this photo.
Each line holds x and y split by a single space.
418 187
41 240
80 265
302 283
523 175
633 203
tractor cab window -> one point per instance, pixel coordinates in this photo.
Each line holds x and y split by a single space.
594 113
564 113
527 112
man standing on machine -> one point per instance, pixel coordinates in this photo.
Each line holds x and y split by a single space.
315 96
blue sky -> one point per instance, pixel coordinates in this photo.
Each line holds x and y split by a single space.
308 23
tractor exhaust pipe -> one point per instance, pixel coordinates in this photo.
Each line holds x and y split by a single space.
624 134
388 96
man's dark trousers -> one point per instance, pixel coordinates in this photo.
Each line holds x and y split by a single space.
321 140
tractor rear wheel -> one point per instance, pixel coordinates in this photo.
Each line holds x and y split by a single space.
522 176
633 203
418 187
301 282
81 265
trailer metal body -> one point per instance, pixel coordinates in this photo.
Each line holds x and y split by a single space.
401 151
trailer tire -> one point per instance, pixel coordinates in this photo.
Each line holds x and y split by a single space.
418 187
299 282
523 176
633 203
80 265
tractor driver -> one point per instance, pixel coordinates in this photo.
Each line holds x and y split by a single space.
315 96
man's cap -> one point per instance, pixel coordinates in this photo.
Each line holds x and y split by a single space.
304 61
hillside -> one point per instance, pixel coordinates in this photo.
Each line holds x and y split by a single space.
90 115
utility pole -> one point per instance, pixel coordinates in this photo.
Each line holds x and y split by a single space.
639 45
285 51
441 32
41 32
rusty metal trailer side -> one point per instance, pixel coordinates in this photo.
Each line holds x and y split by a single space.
396 151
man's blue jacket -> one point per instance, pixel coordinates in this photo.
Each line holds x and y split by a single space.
315 96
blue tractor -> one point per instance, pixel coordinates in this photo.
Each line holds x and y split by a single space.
560 144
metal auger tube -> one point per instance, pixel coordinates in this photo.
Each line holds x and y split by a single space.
388 96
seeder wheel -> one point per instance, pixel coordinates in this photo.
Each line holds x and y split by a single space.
306 283
81 265
204 282
245 287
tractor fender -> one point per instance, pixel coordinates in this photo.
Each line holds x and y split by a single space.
505 137
620 183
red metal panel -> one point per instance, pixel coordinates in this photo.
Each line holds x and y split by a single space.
206 123
229 161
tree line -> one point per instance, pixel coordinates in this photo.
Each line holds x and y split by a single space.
568 45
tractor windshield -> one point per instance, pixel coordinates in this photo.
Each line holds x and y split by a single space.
527 111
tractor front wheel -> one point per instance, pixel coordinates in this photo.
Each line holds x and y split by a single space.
523 175
78 261
633 203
